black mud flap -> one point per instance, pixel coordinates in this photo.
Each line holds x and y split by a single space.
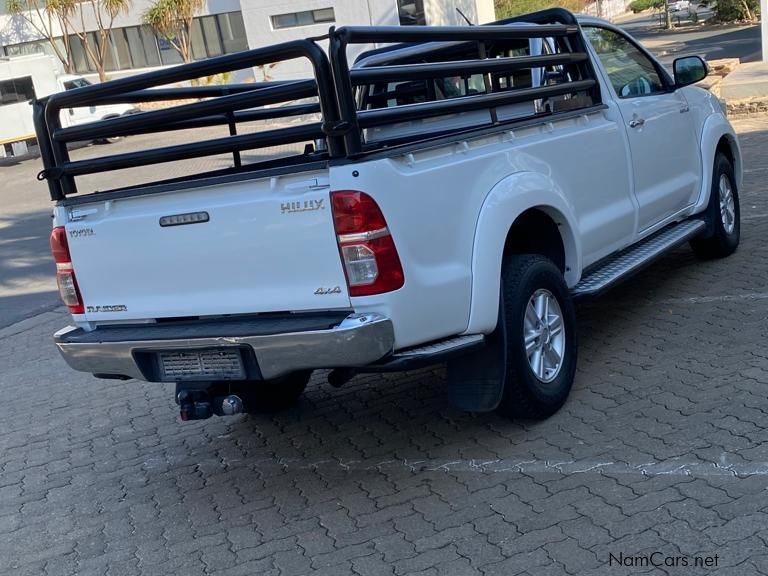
476 380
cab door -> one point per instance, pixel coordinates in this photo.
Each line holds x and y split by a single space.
664 146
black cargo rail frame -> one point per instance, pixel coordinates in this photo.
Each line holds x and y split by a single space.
342 124
52 138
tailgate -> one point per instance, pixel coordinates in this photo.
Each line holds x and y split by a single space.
264 245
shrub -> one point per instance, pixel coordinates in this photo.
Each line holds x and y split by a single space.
640 5
509 8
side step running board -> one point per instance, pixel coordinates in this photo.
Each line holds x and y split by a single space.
427 354
615 268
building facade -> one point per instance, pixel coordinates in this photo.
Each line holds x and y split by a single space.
226 26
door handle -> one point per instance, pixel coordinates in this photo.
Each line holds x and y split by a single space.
636 122
684 109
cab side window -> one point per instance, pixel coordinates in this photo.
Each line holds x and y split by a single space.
631 72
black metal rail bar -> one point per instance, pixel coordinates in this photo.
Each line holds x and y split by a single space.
191 71
158 119
51 124
381 34
458 67
548 16
334 86
558 24
222 119
228 144
183 93
371 118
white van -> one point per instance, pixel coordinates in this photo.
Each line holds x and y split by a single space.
25 78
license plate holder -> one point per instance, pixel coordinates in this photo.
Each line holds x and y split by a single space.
201 364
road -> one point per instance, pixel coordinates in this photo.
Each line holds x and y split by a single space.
660 452
662 446
712 42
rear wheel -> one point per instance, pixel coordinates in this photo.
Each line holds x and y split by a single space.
274 395
541 345
723 213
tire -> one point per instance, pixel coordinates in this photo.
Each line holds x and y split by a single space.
529 280
723 214
274 395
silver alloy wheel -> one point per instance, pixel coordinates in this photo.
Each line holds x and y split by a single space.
544 335
727 204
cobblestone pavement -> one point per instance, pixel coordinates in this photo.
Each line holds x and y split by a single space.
662 447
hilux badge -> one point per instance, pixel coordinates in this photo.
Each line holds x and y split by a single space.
325 291
306 206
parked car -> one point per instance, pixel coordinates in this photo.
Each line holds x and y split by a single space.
26 78
680 5
85 114
417 227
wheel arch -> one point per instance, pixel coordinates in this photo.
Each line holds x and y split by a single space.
718 136
525 213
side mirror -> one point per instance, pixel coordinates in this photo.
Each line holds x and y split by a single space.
689 70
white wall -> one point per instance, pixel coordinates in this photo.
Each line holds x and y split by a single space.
14 29
445 13
258 25
608 9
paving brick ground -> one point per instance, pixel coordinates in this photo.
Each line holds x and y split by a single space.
662 448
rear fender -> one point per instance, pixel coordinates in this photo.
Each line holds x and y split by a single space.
505 202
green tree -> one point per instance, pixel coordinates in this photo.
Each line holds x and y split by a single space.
104 12
50 21
733 10
509 8
55 19
172 19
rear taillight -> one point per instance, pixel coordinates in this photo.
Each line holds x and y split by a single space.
370 258
65 273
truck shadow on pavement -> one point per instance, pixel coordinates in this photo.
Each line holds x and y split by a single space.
27 271
633 342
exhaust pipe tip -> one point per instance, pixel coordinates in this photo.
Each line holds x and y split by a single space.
232 405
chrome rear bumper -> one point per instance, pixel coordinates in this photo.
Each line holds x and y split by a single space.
357 340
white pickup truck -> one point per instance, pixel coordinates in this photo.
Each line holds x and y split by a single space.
458 189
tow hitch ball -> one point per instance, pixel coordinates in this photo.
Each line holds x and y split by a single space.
199 405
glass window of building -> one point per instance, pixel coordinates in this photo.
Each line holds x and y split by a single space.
197 40
232 31
168 54
305 18
212 37
121 51
149 41
79 59
411 12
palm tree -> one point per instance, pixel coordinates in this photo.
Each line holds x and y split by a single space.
104 12
172 19
49 20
